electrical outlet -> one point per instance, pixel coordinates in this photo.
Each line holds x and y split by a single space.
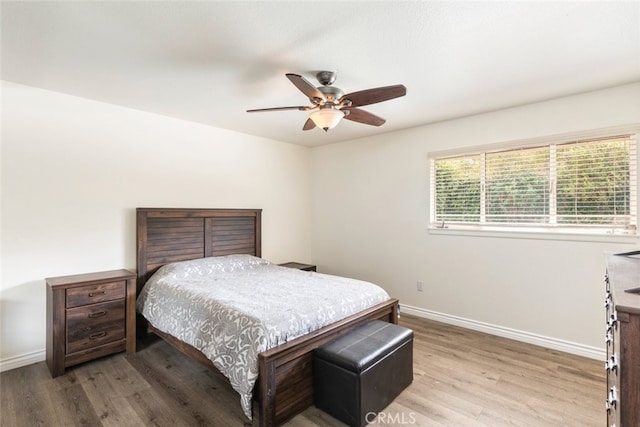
419 284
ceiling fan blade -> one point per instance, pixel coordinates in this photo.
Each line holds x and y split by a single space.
361 116
372 96
305 87
257 110
308 125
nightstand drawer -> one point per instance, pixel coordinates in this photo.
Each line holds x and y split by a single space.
95 324
97 293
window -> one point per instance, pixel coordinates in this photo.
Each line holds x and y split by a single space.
583 185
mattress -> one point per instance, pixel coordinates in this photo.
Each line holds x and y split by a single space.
234 307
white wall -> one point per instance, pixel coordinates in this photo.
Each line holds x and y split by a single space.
371 208
74 170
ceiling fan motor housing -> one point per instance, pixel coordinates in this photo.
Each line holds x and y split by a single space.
326 78
332 94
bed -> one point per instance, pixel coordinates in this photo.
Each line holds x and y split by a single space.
284 386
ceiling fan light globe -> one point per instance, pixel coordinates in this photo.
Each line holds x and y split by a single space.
326 118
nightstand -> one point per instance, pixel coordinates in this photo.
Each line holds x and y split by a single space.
89 316
299 266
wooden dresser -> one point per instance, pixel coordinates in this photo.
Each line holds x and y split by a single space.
622 341
89 316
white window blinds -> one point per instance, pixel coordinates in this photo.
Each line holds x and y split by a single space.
457 189
593 182
517 186
586 183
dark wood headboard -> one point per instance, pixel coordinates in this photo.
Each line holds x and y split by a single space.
170 235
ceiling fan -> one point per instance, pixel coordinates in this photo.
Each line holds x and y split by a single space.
331 104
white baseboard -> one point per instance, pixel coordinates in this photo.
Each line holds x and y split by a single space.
552 343
22 360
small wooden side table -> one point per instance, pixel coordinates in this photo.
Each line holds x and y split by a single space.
89 316
299 266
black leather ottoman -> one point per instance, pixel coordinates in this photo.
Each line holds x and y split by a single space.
359 374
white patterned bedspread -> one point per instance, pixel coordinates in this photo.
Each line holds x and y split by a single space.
234 307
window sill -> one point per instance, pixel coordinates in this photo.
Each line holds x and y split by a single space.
520 233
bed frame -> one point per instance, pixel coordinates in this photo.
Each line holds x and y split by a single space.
285 383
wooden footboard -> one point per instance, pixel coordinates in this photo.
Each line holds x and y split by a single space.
285 383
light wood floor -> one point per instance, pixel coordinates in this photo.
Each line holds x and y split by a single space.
461 378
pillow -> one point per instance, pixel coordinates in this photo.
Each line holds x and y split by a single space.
207 266
230 263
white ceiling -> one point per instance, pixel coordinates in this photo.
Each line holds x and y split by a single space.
210 61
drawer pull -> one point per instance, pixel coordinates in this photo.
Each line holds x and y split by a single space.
96 294
98 335
608 339
612 323
612 401
97 314
611 365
